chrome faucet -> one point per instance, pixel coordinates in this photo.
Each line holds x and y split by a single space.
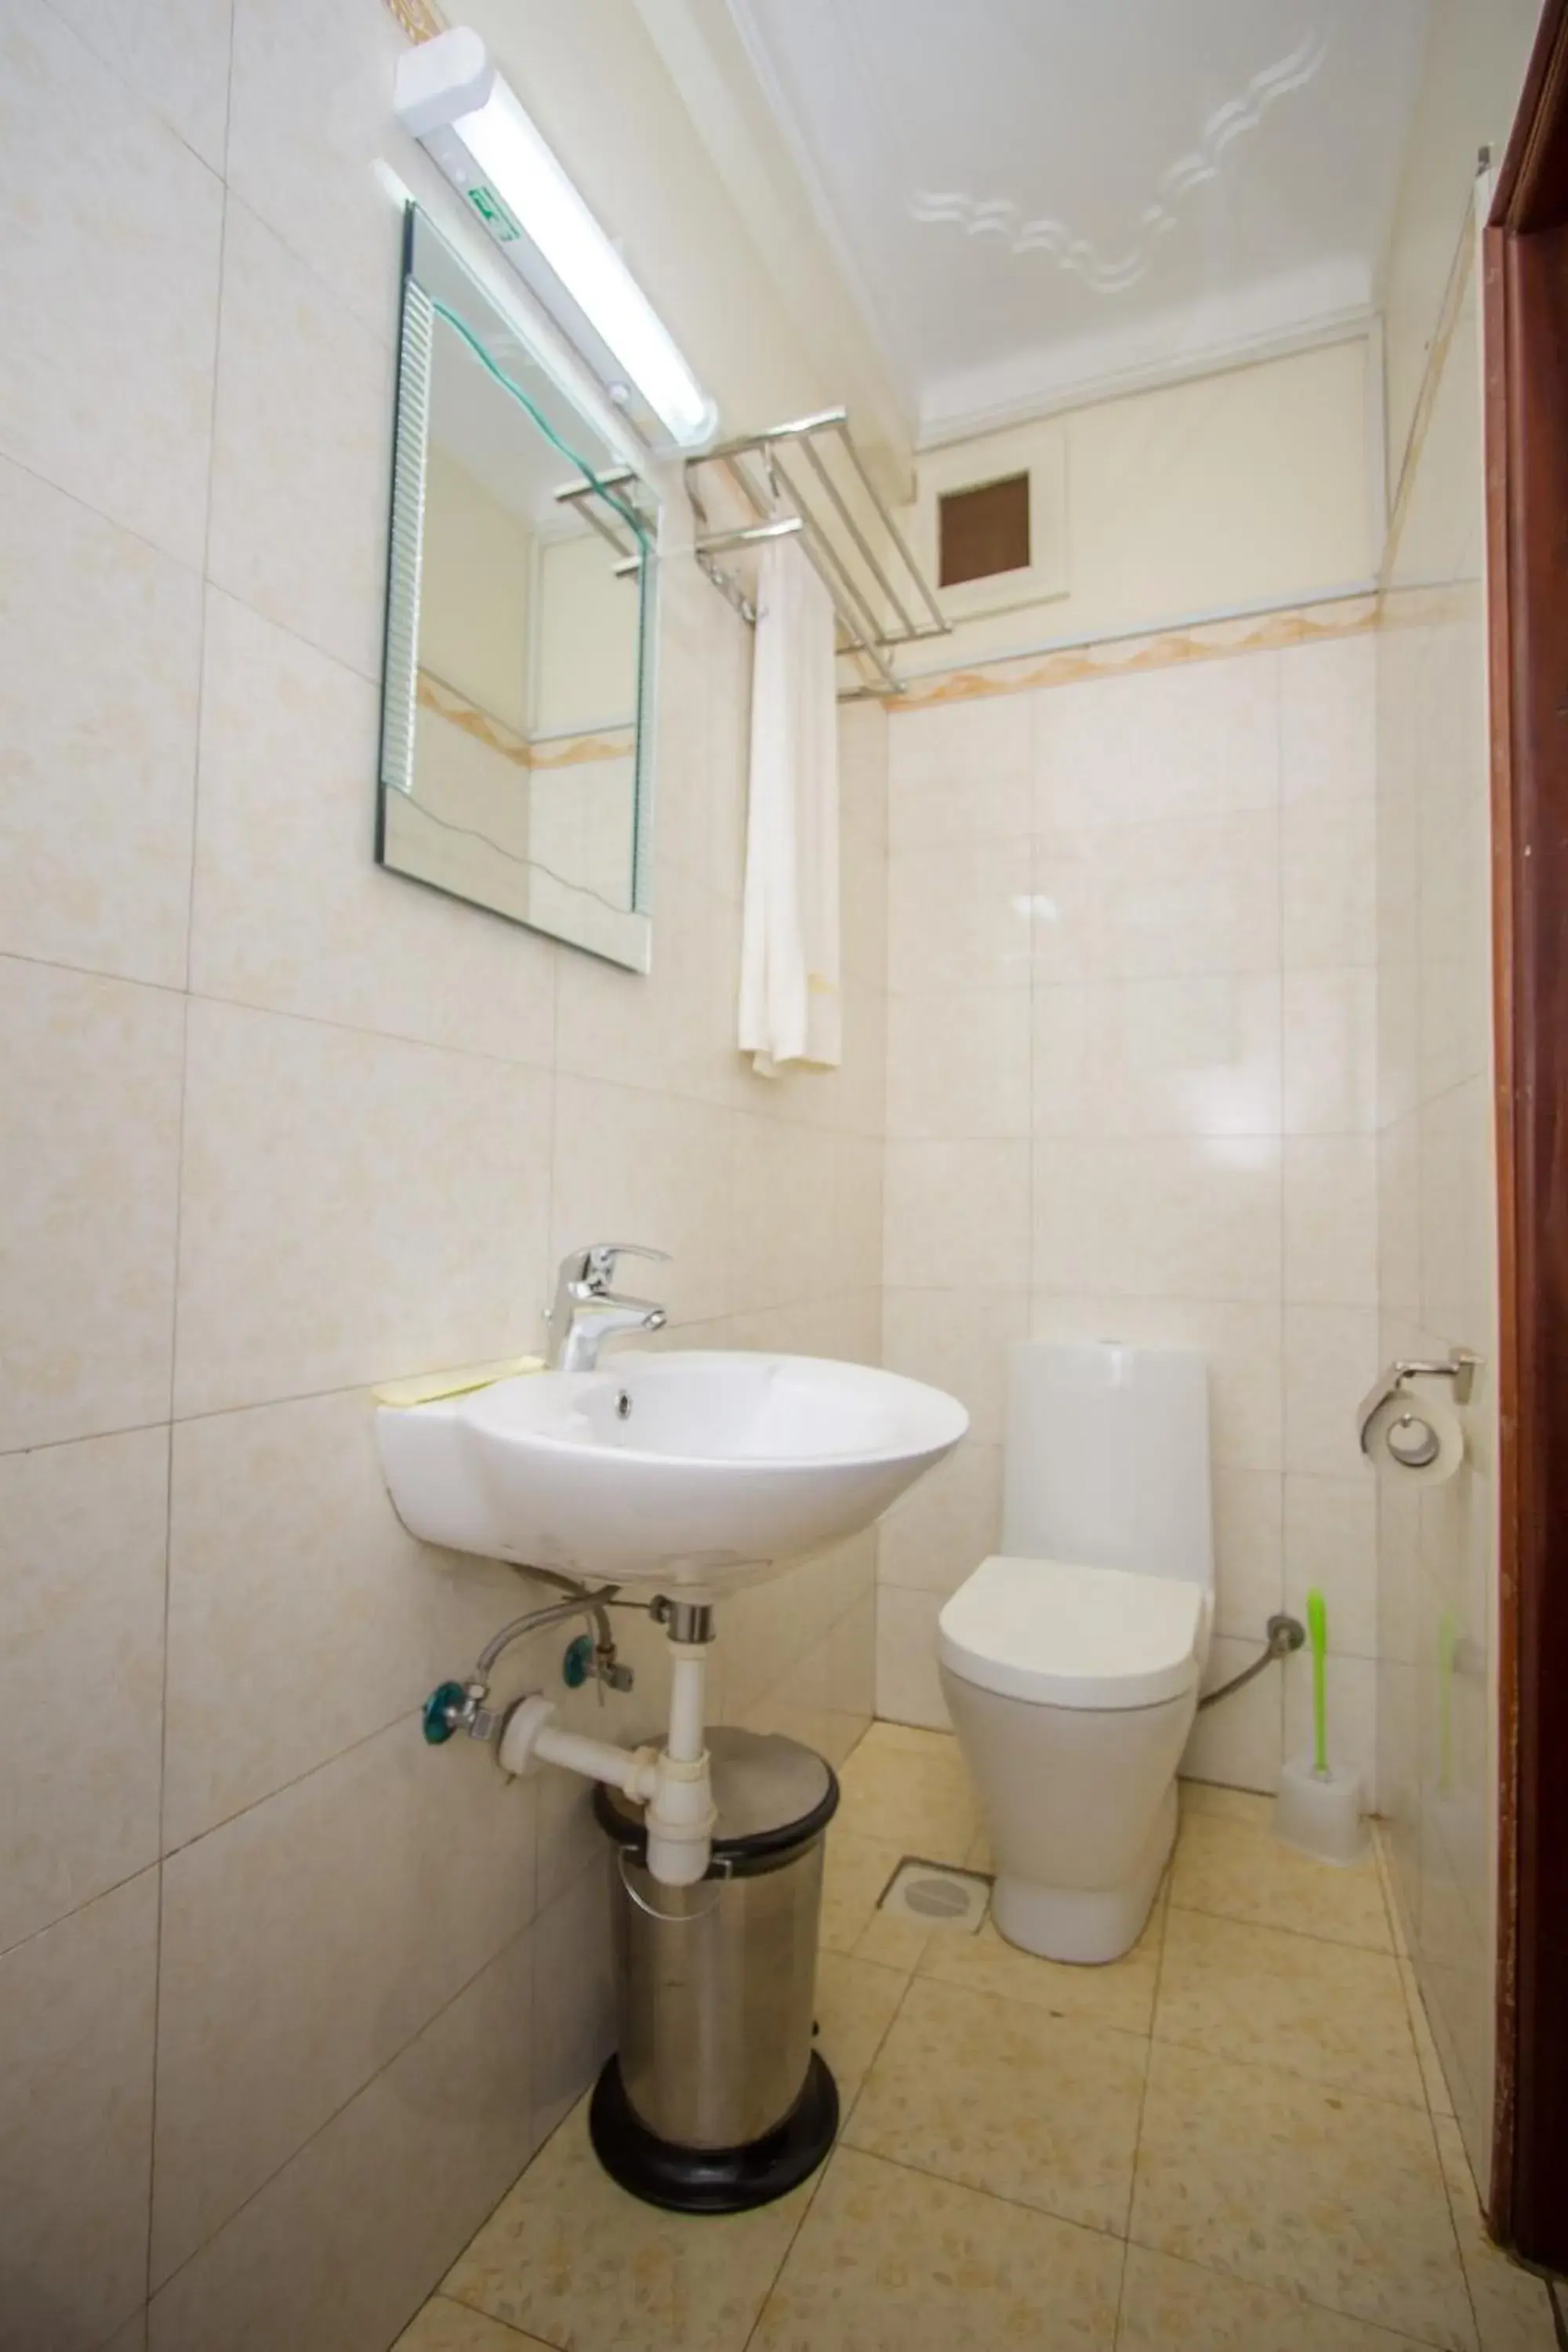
587 1312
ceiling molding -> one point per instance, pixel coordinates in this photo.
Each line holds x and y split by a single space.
1272 322
1039 205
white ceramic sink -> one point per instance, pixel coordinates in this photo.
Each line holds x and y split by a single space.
694 1469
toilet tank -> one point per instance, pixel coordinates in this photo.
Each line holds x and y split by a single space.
1108 1458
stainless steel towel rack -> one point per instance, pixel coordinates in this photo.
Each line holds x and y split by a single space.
806 480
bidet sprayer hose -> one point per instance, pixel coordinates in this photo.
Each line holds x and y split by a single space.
1284 1635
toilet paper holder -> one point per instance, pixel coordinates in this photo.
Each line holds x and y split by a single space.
1459 1365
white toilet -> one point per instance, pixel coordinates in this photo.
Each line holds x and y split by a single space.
1071 1661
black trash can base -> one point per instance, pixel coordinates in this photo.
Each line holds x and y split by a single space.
714 2179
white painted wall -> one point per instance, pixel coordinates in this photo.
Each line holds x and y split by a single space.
1227 493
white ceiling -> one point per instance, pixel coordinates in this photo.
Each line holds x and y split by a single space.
1040 201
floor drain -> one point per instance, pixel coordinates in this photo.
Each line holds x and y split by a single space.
933 1896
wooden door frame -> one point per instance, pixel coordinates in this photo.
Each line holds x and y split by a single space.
1525 293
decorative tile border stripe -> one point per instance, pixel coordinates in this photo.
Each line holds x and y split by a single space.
562 751
1299 624
420 19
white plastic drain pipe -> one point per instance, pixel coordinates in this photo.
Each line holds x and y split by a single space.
674 1783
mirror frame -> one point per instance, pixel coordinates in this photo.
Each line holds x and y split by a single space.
400 649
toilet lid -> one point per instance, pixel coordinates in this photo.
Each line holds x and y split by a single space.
1070 1636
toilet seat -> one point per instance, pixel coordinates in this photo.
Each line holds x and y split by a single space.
1063 1635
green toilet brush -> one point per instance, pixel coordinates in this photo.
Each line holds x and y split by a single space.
1318 1642
1318 1808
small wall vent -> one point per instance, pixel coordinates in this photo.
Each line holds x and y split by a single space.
982 530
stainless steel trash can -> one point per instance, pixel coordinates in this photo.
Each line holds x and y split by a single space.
715 2099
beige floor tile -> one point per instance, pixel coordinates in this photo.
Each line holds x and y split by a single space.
443 2326
570 2257
1242 1872
893 2260
1513 2310
1332 2197
894 1941
980 1856
855 1872
1330 2011
1122 1994
1439 2098
1170 2307
918 1799
1226 1804
907 1739
1007 2098
856 2003
1383 1855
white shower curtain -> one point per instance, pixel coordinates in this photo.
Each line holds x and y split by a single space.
790 1009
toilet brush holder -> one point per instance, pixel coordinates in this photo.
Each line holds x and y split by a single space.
1318 1812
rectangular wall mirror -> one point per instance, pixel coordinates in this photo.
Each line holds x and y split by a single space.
517 695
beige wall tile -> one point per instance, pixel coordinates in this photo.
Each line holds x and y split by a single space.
109 394
673 1028
1239 1741
939 1532
302 1616
1331 1542
100 662
1328 720
289 913
1248 1550
90 1164
353 1207
1160 1217
957 1215
1331 1052
1155 901
340 2245
908 1688
1328 864
959 1062
1172 743
1173 1056
961 773
959 916
299 483
82 1535
1331 1361
174 58
287 1979
309 113
958 1340
574 1995
640 1167
76 2087
784 1229
1330 1220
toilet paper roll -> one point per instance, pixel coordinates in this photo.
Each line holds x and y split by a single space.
1418 1439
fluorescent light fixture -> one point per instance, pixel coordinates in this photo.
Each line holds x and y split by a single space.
450 97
